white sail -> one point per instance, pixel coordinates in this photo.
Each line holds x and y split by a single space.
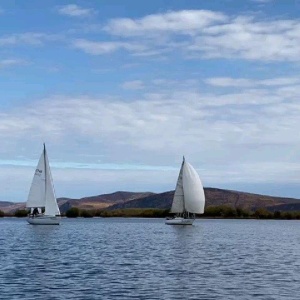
178 200
36 197
51 207
194 197
41 192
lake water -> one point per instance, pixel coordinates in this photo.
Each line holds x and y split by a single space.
144 259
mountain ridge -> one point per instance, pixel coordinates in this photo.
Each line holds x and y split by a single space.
125 199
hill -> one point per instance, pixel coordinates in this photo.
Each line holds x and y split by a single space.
122 199
92 202
162 201
215 197
101 201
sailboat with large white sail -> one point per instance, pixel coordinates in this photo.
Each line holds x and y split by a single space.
42 195
189 198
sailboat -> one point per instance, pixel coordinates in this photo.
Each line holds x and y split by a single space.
42 195
189 198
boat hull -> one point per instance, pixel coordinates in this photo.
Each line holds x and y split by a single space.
44 220
179 221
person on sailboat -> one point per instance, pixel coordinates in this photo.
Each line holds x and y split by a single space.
35 211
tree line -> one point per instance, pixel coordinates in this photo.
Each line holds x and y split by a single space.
220 211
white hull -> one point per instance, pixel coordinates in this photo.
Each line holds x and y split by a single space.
179 221
44 220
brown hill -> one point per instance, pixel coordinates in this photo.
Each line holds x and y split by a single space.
11 207
123 199
93 202
214 197
100 201
162 200
5 203
244 200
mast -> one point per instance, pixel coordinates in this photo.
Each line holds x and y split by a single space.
45 166
184 210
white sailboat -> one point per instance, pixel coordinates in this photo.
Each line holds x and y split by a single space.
189 198
42 195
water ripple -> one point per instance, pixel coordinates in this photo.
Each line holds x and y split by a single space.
144 259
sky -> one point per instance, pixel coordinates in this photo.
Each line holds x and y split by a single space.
120 90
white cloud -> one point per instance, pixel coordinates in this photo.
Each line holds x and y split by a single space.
98 48
247 136
133 85
206 34
229 82
249 39
280 81
262 1
27 38
160 117
243 82
185 21
74 10
11 62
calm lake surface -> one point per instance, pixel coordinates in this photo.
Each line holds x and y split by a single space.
118 258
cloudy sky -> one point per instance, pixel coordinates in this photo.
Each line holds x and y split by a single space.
119 92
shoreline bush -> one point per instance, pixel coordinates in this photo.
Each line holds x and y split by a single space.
221 211
21 213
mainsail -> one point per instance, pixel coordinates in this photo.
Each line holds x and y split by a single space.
36 197
178 199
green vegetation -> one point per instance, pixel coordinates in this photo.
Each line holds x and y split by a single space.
21 213
221 211
133 212
86 213
73 212
224 211
262 213
1 214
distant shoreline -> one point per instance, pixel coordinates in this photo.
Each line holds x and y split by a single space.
201 218
219 203
211 212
